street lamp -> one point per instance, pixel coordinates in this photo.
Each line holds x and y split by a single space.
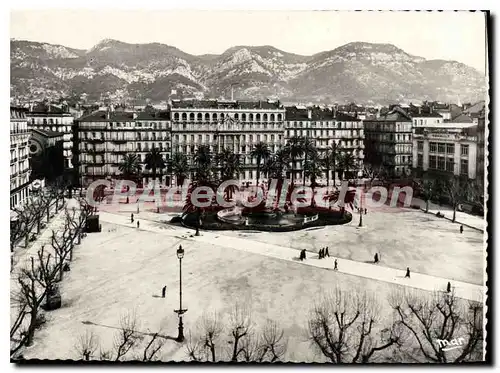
180 311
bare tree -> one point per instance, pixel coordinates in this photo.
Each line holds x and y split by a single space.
374 172
342 325
87 345
246 344
458 189
152 348
127 336
62 243
436 321
29 296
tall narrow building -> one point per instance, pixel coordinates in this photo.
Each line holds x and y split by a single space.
19 157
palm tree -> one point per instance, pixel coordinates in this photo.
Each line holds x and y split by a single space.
347 162
202 165
261 152
329 161
296 150
313 169
130 167
180 167
309 152
154 160
229 169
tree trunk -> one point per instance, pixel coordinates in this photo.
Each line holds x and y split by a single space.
427 206
31 327
48 213
327 177
360 217
258 171
454 212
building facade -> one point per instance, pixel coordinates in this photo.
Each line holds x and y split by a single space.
325 127
19 157
439 152
233 125
56 119
481 150
47 161
103 138
388 142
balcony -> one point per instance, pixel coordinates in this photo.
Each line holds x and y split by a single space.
24 157
95 141
121 141
13 160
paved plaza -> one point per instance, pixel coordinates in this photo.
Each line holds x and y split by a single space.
258 269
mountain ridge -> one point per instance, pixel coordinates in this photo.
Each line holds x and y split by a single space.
119 71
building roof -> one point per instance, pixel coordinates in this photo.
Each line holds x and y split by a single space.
427 115
219 104
393 116
47 109
46 133
124 116
461 118
317 114
17 112
153 115
476 108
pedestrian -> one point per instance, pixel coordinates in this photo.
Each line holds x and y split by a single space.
448 287
375 259
461 229
131 218
301 256
335 265
407 272
137 223
164 291
321 255
326 252
304 254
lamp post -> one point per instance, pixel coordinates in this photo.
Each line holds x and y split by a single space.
180 311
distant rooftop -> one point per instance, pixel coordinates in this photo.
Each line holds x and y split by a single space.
46 133
223 104
317 114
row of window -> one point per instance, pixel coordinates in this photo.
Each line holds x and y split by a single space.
218 116
324 133
444 164
443 148
334 125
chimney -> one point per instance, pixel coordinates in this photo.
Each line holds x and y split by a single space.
309 113
232 94
420 110
107 114
334 111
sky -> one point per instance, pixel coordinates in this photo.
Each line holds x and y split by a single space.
458 36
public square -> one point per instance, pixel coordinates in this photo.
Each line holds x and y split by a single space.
123 269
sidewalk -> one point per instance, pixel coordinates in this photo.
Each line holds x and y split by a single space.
461 217
367 270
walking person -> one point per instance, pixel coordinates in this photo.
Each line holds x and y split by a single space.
321 255
304 250
366 211
461 229
335 265
132 218
375 259
137 223
327 254
448 287
164 291
407 272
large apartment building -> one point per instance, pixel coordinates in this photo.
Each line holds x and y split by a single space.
103 138
445 151
19 157
48 117
481 149
235 125
325 127
388 142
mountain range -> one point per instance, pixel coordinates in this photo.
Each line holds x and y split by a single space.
358 71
